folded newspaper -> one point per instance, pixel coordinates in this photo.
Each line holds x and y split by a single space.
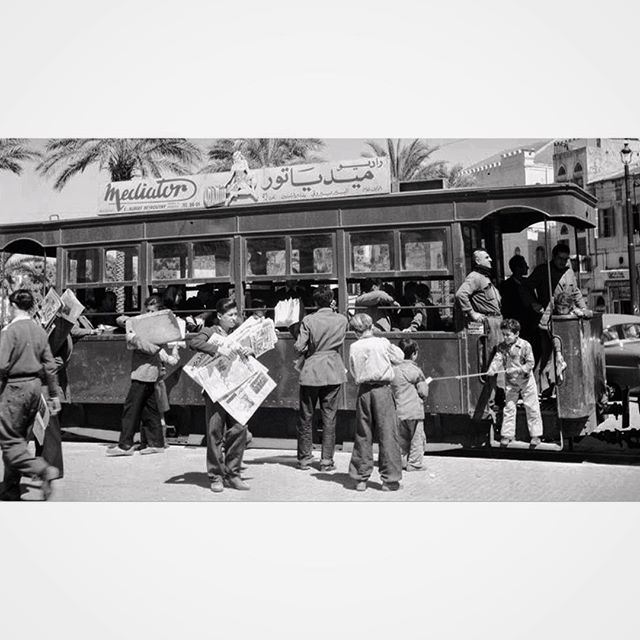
41 421
239 384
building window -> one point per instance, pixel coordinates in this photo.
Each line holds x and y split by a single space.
618 187
577 168
607 222
562 174
564 231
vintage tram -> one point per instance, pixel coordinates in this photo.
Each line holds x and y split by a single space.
253 250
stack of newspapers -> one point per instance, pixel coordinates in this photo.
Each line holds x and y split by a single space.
239 384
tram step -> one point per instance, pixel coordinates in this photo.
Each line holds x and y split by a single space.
519 444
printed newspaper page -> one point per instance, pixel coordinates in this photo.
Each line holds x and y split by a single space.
219 375
257 334
72 308
243 402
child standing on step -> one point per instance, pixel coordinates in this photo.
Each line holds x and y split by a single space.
515 356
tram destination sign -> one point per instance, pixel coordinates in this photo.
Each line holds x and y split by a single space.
241 185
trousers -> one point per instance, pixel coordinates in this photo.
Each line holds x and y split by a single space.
18 407
529 391
376 414
327 396
51 448
141 412
412 442
226 442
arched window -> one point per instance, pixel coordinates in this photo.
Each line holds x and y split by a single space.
564 231
577 168
539 255
516 251
562 173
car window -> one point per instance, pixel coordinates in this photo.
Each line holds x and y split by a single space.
609 334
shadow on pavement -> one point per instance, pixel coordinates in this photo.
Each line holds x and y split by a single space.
286 461
191 477
343 479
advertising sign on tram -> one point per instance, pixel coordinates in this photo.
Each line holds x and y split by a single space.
241 186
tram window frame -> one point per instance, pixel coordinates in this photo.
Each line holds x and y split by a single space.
397 271
190 278
289 274
102 262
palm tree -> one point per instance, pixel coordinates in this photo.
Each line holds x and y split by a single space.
124 158
13 152
262 152
454 178
408 161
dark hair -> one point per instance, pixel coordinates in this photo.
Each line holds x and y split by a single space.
323 296
511 325
225 304
22 298
409 347
422 292
367 284
561 247
156 298
517 260
258 302
170 295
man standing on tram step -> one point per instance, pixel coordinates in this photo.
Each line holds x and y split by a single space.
226 438
321 377
480 300
25 358
141 404
519 302
371 360
563 279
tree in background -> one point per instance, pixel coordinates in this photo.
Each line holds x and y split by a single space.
123 158
408 160
262 152
14 152
454 178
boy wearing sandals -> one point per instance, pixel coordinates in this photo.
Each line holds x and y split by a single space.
515 356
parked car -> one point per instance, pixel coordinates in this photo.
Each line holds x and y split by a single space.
621 340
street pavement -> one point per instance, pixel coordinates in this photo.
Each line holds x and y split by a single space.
179 475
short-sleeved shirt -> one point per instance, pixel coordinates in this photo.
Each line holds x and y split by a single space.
409 391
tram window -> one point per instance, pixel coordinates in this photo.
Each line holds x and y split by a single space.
104 304
424 250
312 254
371 252
211 259
83 265
170 261
121 264
266 257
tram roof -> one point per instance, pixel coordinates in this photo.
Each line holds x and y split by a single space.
515 209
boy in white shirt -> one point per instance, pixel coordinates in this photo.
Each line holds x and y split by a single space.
371 361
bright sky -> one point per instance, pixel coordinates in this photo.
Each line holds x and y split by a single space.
31 197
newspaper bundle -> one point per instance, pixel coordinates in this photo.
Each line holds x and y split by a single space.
239 384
